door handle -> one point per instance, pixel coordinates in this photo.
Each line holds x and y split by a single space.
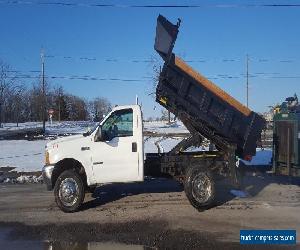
98 163
85 148
134 147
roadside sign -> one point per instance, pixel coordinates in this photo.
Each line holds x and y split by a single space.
51 111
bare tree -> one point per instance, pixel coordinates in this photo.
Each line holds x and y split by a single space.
17 104
155 67
7 87
58 103
155 79
21 103
164 115
100 107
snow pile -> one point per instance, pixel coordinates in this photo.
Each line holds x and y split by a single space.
262 158
239 193
22 179
29 179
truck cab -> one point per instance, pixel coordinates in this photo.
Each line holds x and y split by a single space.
111 152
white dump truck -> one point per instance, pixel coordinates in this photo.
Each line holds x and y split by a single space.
113 152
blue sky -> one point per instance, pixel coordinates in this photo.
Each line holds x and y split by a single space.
215 38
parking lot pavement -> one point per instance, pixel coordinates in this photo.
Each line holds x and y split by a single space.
154 213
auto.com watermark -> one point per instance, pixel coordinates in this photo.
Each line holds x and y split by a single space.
284 237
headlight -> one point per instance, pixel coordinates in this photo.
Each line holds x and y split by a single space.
47 160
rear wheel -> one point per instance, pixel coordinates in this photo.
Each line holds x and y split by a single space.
69 191
199 187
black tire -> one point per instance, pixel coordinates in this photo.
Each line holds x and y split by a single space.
199 187
69 191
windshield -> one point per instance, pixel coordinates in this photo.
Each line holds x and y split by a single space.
90 131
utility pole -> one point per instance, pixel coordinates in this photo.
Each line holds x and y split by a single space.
1 101
43 91
247 80
59 96
136 100
18 105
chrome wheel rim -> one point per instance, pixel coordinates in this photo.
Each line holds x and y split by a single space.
201 188
68 192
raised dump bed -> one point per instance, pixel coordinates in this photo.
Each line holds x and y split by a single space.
201 105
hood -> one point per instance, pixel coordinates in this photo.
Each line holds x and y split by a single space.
64 139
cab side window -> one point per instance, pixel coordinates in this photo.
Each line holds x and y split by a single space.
119 124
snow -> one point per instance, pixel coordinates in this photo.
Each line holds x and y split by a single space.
262 158
24 155
77 127
13 126
165 144
56 128
27 156
71 127
239 193
23 179
66 128
29 179
164 128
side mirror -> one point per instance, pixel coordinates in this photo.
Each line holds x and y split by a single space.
98 136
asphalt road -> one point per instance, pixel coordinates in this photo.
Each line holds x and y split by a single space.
153 214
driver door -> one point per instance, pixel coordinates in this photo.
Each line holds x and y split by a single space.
116 158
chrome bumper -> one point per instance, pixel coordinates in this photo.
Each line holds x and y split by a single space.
47 175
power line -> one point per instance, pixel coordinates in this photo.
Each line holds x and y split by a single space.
124 6
260 75
153 60
87 78
247 80
43 91
141 60
86 58
27 74
20 73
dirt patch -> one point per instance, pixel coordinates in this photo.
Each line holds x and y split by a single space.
150 234
155 213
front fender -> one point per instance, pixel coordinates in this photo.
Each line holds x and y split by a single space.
76 148
85 162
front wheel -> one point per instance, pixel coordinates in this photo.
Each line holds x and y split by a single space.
199 187
69 191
